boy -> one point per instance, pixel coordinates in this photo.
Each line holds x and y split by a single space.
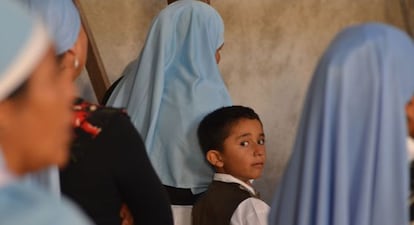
233 142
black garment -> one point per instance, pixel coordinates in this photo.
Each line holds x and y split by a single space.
218 204
108 92
181 196
411 192
109 166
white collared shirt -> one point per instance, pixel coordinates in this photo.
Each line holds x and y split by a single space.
251 211
410 147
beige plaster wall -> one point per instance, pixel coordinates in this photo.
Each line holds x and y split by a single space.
271 48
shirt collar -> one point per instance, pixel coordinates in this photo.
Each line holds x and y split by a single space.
410 147
227 178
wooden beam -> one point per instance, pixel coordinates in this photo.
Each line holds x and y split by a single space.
94 65
407 9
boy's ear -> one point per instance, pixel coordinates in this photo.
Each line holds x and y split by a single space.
214 158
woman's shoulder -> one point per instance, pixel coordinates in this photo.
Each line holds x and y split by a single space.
92 108
92 118
37 207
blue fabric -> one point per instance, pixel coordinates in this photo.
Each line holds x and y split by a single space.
47 178
16 30
30 206
14 35
171 86
61 18
349 162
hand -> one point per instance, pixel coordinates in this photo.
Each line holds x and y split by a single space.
126 216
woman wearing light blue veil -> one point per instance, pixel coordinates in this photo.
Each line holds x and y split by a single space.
63 25
170 87
108 169
35 120
349 163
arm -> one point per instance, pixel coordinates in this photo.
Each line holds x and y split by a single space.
126 216
137 181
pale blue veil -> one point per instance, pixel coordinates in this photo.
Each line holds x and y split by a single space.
349 162
171 86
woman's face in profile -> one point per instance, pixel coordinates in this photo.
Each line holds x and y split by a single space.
40 127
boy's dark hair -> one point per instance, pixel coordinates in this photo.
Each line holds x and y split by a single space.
216 126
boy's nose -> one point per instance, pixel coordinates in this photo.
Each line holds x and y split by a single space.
259 150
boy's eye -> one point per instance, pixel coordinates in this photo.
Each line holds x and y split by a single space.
244 143
261 142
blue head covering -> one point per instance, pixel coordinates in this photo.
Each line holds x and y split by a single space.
349 162
22 42
61 18
171 86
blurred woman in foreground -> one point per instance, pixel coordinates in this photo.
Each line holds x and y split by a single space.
35 120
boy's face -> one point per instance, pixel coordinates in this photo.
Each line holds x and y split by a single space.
244 153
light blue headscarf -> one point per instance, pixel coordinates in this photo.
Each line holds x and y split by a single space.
62 20
349 162
22 45
171 86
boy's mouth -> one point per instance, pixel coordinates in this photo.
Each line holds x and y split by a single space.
258 164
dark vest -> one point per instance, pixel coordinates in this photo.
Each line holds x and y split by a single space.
218 204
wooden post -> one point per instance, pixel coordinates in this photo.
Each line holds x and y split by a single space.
407 9
94 65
